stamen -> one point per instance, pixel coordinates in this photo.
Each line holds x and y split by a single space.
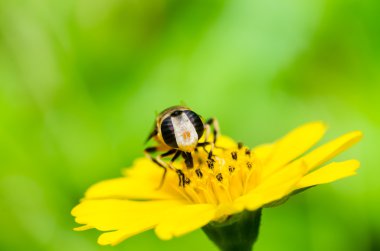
181 178
200 161
199 173
222 178
234 155
249 165
247 152
210 163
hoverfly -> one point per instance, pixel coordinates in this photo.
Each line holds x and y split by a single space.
177 131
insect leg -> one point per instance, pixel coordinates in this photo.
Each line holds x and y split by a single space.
203 145
188 159
168 153
182 180
152 134
181 177
214 123
157 160
176 155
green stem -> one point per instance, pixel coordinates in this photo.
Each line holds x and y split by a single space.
237 233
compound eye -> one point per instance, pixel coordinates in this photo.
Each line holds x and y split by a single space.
167 132
176 113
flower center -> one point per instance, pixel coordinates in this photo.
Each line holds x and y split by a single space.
229 174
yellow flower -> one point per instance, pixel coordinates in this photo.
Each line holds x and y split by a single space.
237 179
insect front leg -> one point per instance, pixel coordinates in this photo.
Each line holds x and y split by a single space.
216 131
188 159
203 145
158 160
181 176
215 126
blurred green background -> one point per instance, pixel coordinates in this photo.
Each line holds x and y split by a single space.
80 82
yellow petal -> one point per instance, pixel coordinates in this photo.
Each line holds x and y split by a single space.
331 149
330 173
273 188
258 198
142 182
263 152
143 168
129 188
127 217
115 237
184 220
82 228
294 144
225 142
224 210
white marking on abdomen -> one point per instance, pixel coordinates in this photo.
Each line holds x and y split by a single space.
185 133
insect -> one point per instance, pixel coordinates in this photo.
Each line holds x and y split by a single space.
177 131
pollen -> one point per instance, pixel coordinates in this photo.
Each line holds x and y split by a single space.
227 175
